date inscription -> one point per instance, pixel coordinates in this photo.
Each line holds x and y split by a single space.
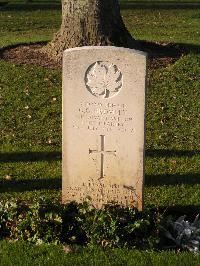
109 116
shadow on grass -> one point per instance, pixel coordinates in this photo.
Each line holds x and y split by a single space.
56 156
158 5
3 4
174 179
171 153
30 6
29 157
34 5
166 49
30 185
55 183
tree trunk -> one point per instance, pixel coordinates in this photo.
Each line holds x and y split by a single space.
89 22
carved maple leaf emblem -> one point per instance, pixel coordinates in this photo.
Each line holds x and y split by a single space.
103 79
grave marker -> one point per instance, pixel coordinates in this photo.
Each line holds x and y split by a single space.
103 125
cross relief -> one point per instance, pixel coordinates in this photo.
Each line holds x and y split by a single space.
102 152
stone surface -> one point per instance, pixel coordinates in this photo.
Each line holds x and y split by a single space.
103 125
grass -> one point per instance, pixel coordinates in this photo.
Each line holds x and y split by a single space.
35 22
35 149
30 127
28 26
164 25
12 254
31 153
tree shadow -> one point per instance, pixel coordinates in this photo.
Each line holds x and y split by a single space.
158 5
56 5
57 156
30 6
2 4
150 180
29 157
171 153
172 179
174 50
29 185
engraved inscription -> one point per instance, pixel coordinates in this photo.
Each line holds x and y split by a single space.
102 152
95 116
103 79
111 193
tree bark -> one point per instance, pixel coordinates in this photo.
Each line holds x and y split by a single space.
89 22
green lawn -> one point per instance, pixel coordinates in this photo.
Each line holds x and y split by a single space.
38 22
12 254
31 153
30 126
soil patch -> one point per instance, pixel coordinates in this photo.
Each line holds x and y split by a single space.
29 55
160 55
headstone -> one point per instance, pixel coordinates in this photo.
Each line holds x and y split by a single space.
103 125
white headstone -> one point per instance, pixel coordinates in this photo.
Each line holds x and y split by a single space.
103 125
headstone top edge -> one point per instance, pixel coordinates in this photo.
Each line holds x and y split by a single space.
109 48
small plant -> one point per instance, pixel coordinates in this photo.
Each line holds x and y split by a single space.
36 223
116 226
8 212
47 222
184 234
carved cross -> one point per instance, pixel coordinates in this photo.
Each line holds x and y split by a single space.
102 152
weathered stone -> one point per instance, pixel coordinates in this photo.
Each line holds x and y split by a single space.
103 125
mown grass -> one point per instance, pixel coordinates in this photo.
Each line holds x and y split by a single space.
30 106
31 133
12 254
28 26
30 128
37 22
177 26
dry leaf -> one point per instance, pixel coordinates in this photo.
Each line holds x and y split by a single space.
8 177
67 249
